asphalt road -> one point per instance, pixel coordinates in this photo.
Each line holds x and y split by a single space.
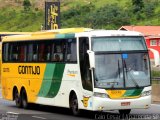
8 111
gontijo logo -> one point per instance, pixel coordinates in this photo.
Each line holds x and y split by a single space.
34 70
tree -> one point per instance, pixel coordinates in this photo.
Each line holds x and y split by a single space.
137 5
26 5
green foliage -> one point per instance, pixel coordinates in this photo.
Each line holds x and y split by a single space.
155 74
26 5
137 5
107 17
17 20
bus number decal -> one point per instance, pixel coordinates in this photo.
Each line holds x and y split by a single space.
5 69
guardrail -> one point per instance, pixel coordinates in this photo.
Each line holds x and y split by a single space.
156 78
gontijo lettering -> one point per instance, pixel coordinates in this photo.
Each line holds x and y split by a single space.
35 70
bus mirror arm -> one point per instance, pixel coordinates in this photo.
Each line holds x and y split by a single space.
91 59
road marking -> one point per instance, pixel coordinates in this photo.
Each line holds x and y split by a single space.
39 117
12 113
156 104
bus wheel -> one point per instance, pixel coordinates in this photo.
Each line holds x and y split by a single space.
17 99
74 105
125 112
24 99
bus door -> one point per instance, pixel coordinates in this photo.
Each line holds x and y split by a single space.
84 69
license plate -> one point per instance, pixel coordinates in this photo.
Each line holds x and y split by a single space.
125 103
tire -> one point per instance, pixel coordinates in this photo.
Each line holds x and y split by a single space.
24 99
74 105
125 112
17 99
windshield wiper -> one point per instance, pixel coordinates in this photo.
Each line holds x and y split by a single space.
134 81
118 69
118 76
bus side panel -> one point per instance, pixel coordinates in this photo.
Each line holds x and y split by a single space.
70 81
51 83
27 75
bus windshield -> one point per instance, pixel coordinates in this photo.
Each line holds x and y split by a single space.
121 69
118 43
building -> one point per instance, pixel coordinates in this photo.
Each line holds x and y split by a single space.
152 37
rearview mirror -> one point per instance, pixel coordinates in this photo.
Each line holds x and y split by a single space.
91 58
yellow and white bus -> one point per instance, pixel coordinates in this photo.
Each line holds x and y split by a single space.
77 68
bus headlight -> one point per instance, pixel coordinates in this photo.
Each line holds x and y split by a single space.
146 93
102 95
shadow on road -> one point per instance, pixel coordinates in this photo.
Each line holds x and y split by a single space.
84 114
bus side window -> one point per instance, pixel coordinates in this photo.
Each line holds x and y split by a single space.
14 52
71 50
41 52
30 52
35 52
52 51
57 57
22 52
5 52
58 51
47 52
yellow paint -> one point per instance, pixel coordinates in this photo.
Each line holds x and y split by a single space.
44 35
85 101
116 94
31 82
72 75
131 97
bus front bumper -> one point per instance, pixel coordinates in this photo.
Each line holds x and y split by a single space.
104 104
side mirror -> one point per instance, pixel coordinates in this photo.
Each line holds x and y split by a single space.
91 58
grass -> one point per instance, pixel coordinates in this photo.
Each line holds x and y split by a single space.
18 20
155 74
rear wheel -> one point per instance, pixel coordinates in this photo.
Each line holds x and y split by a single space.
24 99
125 112
17 99
74 105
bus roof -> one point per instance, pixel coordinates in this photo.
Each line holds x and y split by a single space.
69 33
13 33
102 33
2 34
47 34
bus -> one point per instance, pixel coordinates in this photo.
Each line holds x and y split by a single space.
77 68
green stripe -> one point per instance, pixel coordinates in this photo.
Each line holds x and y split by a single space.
57 79
47 80
132 93
65 36
52 80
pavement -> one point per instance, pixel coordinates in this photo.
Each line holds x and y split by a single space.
156 93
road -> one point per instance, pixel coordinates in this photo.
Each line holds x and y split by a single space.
8 111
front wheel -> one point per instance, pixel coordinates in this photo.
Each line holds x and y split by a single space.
74 105
125 112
